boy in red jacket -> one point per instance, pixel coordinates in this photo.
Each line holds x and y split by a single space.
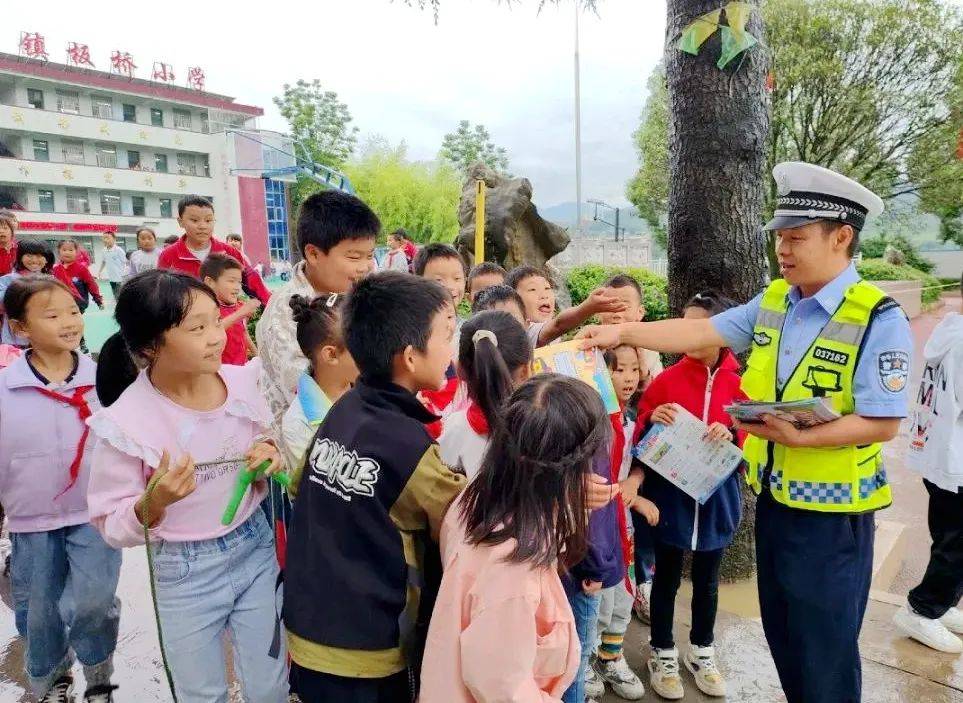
196 215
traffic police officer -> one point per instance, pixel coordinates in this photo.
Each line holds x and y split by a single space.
820 331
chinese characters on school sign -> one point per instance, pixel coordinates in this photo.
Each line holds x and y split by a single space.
33 45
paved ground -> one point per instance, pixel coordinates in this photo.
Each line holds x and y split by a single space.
896 670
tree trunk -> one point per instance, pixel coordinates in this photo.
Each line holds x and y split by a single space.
717 148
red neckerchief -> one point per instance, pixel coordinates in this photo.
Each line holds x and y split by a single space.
83 410
618 448
477 420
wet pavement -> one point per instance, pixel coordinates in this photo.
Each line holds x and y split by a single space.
896 670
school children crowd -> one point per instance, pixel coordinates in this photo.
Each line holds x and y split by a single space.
455 528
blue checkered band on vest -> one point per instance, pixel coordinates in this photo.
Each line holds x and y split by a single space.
800 203
871 483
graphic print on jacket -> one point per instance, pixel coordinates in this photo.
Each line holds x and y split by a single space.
342 471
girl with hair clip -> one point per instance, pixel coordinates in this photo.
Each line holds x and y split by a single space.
33 256
494 356
331 372
174 476
502 629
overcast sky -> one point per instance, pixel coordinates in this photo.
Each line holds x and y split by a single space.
402 76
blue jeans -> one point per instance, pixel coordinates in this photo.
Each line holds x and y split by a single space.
55 627
207 587
585 608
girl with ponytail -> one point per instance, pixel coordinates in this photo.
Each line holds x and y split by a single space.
176 431
494 356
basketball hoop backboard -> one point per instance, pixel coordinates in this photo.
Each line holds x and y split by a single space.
261 154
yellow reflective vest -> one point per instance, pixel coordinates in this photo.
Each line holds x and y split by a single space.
849 479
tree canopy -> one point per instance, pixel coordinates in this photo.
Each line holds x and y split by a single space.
470 144
870 89
649 188
420 197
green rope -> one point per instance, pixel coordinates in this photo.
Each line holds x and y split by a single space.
153 586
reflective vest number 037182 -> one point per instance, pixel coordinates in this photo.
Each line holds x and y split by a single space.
848 479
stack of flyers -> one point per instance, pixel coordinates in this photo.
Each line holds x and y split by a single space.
804 413
589 366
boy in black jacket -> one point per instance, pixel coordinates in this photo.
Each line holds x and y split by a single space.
373 486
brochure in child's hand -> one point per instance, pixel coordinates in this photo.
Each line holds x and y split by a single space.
682 455
804 413
589 366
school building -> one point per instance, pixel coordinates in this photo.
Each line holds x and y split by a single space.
84 151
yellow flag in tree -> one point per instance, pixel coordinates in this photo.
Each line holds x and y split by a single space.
700 29
737 14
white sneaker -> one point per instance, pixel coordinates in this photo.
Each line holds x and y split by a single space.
701 661
932 633
594 686
617 674
61 692
664 676
953 620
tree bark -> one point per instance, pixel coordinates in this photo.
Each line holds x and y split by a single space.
717 153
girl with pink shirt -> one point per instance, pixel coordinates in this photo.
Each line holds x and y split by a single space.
502 628
45 396
186 426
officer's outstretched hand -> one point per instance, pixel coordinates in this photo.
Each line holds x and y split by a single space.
601 336
773 429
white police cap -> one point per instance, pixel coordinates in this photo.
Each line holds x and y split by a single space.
808 193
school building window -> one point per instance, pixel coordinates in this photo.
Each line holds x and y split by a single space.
130 113
110 202
73 152
77 201
106 155
35 98
101 106
165 207
160 163
137 206
46 200
186 165
41 150
182 119
133 159
157 117
68 101
277 217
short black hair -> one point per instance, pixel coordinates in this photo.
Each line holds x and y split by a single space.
37 248
196 200
488 298
22 289
328 218
710 301
520 273
624 280
216 264
435 250
235 235
317 321
399 234
170 239
387 312
485 268
145 229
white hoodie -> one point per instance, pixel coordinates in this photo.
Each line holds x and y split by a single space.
936 432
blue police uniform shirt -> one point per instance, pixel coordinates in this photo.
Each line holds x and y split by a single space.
877 391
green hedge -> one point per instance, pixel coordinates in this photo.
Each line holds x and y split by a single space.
582 280
879 270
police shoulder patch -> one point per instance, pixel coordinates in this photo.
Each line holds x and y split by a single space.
762 339
831 355
893 367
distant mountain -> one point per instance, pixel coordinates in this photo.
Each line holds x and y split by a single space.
564 214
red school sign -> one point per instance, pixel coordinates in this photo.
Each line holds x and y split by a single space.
66 226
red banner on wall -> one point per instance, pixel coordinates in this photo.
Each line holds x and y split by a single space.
66 226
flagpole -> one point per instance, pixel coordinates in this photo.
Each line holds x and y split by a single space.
578 131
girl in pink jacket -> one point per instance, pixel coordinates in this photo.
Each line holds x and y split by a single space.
502 628
45 396
187 427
